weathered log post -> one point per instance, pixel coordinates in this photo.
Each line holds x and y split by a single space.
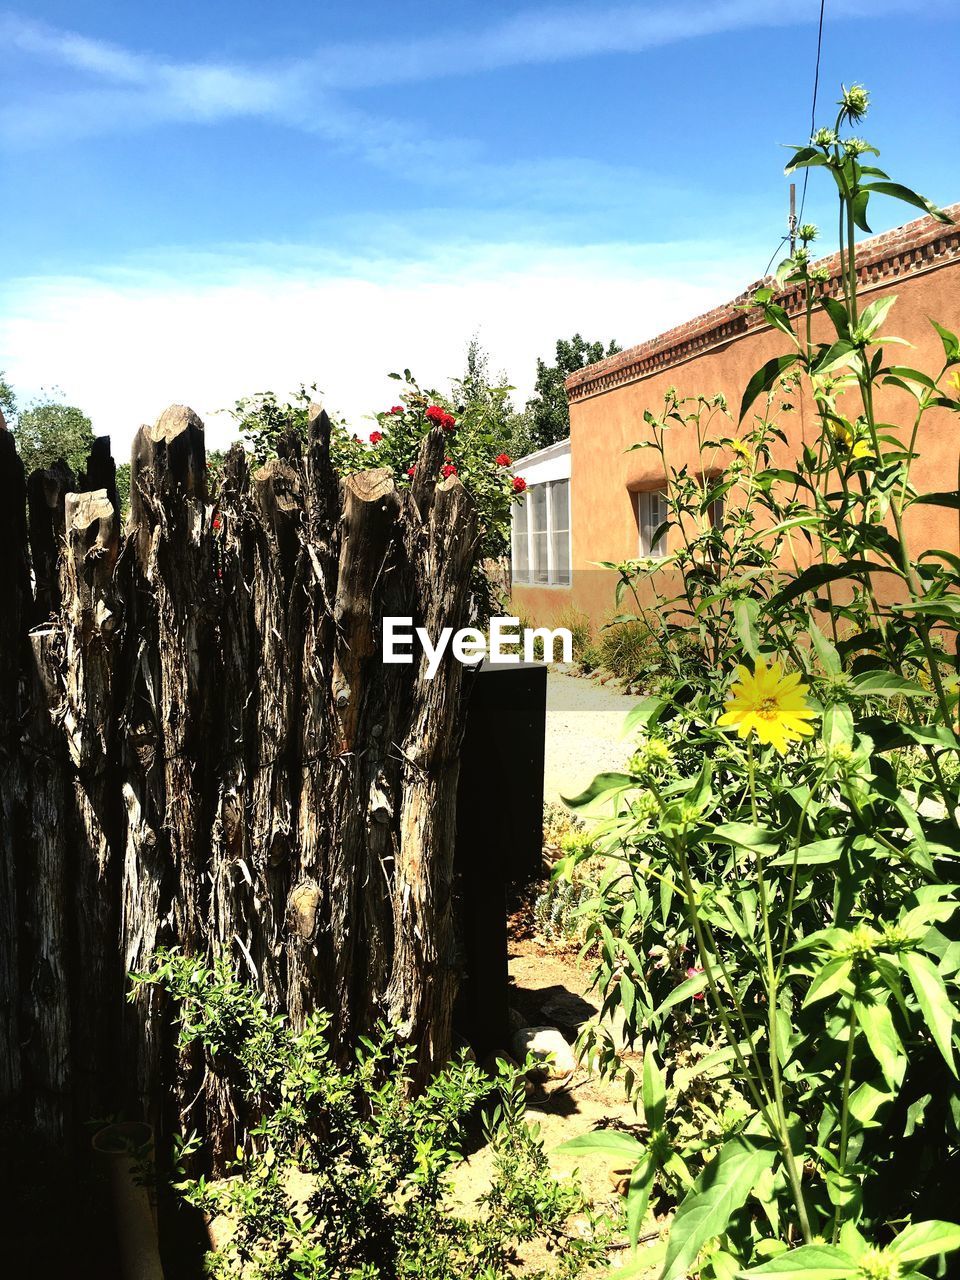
47 957
91 614
167 731
47 489
14 619
442 551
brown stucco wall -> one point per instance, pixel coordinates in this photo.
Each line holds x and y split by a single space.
919 263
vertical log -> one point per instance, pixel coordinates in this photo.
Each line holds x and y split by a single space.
423 977
167 731
14 620
44 887
46 494
310 952
90 615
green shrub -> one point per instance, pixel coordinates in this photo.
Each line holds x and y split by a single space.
343 1175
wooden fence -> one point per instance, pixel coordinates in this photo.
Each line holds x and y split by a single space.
200 747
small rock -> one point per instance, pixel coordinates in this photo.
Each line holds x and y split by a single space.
547 1045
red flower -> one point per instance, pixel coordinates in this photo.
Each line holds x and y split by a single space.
695 973
397 408
376 437
436 414
519 484
411 471
448 422
503 459
448 470
217 522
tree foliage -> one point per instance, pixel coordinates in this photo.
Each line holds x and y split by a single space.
8 400
49 430
548 408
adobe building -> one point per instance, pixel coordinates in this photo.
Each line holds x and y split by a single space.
589 500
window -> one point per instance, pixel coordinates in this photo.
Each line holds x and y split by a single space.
651 513
540 547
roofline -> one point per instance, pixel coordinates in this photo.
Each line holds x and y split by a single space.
555 450
909 250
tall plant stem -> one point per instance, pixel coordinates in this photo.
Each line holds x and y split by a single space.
845 1109
793 1173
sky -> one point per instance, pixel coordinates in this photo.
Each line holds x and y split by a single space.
202 200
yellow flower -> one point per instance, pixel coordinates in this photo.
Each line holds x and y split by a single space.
954 380
772 705
741 449
842 434
862 449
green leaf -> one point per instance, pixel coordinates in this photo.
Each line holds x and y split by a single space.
604 784
877 1025
825 651
866 1101
858 209
829 978
924 1239
874 315
809 1262
638 1196
834 356
837 725
951 343
714 1198
950 500
745 613
838 314
763 380
605 1141
747 836
814 854
886 685
935 1005
818 575
805 158
685 990
899 192
647 711
654 1092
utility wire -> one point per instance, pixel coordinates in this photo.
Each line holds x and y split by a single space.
813 108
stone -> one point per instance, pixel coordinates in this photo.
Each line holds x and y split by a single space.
546 1044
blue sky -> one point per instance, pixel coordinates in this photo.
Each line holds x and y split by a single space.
206 199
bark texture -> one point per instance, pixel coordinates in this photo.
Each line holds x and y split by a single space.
201 748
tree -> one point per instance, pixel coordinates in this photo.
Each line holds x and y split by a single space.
49 430
550 414
485 402
8 401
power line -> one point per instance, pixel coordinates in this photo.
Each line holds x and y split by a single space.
813 107
813 126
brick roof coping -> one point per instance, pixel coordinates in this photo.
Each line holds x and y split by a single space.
908 250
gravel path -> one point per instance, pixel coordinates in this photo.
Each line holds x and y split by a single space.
584 723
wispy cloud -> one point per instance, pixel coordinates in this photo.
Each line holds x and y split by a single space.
206 327
122 89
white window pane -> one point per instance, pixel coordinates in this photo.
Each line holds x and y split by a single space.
651 513
538 508
539 566
561 504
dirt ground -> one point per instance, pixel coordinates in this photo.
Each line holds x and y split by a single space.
550 987
584 728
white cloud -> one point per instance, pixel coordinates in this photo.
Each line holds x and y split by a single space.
307 91
124 344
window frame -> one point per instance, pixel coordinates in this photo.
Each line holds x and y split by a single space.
542 544
645 526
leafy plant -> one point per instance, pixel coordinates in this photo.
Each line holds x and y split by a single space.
342 1174
785 837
